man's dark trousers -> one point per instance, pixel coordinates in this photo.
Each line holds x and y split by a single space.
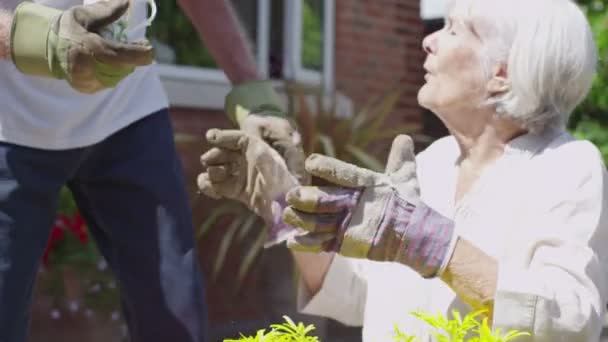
131 192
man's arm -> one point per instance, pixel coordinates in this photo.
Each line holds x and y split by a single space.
219 27
5 31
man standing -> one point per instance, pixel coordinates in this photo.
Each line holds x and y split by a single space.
82 111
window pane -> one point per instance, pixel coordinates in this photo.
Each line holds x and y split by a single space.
247 11
275 53
312 34
177 41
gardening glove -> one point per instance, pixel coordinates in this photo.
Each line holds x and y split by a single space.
257 109
66 45
244 168
377 216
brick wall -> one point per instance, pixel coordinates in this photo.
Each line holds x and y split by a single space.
378 45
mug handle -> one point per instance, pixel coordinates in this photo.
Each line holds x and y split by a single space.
147 22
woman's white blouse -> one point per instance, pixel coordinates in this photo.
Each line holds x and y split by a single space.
540 210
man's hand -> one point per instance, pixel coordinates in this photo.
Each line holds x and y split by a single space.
257 109
279 133
371 215
244 168
66 45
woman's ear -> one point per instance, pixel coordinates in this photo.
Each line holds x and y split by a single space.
498 83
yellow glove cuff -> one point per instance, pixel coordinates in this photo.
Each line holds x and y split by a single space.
252 97
30 31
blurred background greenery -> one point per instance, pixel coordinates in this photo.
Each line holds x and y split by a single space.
173 28
590 119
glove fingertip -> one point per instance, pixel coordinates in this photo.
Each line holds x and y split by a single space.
316 164
204 185
292 196
290 217
212 134
403 140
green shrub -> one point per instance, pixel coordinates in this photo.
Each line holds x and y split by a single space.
284 332
457 329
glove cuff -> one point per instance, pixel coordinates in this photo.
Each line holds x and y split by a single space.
416 236
30 33
278 230
252 97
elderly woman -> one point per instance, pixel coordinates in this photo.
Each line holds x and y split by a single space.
508 213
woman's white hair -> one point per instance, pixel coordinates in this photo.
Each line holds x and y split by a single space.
549 52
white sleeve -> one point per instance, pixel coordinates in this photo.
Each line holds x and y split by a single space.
342 295
557 289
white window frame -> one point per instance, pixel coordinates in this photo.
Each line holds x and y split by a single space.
292 45
198 87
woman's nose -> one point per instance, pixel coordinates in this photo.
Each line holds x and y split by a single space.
429 43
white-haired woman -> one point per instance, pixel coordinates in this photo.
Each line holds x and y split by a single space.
508 213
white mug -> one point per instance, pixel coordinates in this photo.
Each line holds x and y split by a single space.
120 30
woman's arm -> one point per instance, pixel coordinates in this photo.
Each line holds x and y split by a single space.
313 267
332 286
472 275
219 27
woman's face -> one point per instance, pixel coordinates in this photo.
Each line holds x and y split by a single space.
454 82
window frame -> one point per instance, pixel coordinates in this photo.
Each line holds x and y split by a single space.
200 87
292 46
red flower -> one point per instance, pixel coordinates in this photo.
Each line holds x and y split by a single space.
57 234
77 226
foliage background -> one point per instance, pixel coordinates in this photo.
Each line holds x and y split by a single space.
590 119
173 28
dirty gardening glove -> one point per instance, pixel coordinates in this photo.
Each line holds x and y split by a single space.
377 216
66 45
257 109
244 168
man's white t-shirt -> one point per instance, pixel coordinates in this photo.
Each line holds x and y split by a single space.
49 114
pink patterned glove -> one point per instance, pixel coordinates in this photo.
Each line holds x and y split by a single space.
371 215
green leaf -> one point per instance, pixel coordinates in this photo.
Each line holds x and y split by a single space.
225 245
252 253
392 132
211 220
328 146
459 328
249 222
401 336
385 108
185 138
363 115
366 160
